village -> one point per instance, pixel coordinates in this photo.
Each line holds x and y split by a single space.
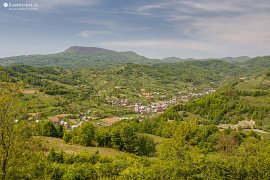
139 109
156 107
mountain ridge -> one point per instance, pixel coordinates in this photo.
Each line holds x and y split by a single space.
95 57
83 49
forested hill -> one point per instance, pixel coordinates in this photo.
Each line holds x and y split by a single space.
133 82
245 99
169 78
163 77
240 59
79 57
85 57
257 63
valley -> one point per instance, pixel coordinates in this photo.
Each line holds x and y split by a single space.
138 117
135 90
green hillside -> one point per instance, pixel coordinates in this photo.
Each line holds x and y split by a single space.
81 123
240 59
257 63
79 57
61 90
67 91
245 99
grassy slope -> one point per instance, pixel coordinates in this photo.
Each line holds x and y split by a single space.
60 145
158 140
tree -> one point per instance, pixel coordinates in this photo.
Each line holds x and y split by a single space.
12 137
84 135
47 128
226 142
103 137
55 157
87 134
145 146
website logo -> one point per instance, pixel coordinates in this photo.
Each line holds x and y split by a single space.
21 6
5 5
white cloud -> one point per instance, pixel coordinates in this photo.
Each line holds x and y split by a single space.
161 5
87 34
170 27
193 6
159 44
212 6
241 30
225 26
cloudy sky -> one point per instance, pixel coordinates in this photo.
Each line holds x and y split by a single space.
153 28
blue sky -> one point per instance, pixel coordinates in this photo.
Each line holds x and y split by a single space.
153 28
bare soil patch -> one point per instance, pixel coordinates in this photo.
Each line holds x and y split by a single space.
29 91
110 121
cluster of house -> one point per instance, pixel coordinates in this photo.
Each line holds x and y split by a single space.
124 118
151 95
83 117
58 121
86 118
120 102
33 117
77 125
153 108
126 102
196 95
65 124
160 107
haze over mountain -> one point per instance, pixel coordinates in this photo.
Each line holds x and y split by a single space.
83 57
81 49
228 59
78 57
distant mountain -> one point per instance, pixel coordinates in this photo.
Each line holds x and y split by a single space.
94 57
227 59
79 57
236 59
80 49
257 63
176 59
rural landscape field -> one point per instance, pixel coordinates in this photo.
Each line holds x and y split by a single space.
135 90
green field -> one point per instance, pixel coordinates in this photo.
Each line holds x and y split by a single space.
60 145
